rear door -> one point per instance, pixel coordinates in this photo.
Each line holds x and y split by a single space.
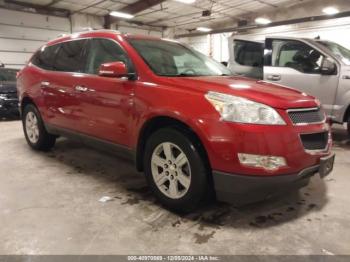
297 64
246 58
66 75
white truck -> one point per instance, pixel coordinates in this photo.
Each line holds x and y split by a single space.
319 68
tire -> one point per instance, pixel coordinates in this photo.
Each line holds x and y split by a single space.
180 188
348 125
34 130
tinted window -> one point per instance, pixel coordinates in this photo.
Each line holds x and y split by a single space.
104 51
248 54
167 58
296 55
44 58
71 56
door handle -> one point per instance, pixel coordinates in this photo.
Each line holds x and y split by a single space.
45 84
81 88
274 77
346 77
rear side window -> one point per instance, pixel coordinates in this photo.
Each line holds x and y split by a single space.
44 58
71 56
104 51
248 53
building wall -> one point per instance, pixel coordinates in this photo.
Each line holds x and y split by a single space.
337 30
216 46
22 33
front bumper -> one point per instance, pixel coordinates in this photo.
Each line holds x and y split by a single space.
244 189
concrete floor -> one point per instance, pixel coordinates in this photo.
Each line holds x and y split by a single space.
49 204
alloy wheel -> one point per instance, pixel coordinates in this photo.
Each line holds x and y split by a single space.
32 127
171 170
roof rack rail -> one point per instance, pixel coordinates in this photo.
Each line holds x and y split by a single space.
89 29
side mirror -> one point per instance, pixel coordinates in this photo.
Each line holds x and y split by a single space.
113 69
328 67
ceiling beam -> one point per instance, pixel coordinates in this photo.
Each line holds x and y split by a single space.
135 8
34 8
140 6
273 24
88 6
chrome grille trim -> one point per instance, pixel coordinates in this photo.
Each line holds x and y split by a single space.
313 115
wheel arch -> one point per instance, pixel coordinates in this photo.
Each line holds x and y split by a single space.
26 101
158 122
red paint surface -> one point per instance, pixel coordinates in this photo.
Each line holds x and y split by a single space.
116 110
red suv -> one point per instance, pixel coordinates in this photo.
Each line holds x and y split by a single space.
190 126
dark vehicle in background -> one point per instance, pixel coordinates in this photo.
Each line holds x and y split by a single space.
8 93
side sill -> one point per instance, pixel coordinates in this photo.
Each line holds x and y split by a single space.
99 144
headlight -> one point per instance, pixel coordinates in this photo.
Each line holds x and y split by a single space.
241 110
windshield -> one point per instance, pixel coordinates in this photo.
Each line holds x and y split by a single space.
167 58
8 74
339 51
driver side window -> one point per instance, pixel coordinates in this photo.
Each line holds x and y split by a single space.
296 55
104 51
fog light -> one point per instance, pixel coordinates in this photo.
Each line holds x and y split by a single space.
267 162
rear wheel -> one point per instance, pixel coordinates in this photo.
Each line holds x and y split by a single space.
175 170
348 126
34 130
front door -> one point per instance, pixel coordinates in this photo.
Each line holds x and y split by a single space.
107 102
246 58
297 64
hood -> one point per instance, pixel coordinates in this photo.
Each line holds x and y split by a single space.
274 95
7 87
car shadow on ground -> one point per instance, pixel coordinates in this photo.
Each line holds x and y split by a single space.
129 187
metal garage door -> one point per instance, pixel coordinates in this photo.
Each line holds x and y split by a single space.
22 33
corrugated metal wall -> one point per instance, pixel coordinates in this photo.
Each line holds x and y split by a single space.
22 33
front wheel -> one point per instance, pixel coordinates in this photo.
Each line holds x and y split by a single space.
348 125
34 130
175 170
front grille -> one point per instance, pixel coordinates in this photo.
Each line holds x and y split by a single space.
306 116
315 141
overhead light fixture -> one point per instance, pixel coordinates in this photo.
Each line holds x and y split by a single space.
203 29
186 1
330 10
121 15
262 21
